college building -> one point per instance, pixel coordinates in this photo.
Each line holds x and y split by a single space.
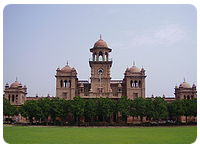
100 84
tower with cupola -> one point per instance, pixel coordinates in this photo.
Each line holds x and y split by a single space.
134 82
66 82
185 91
100 64
15 93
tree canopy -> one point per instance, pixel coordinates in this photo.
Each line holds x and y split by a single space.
101 109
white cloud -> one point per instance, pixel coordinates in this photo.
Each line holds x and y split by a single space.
170 33
163 35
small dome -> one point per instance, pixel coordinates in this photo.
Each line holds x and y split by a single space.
100 43
15 84
134 69
67 68
184 85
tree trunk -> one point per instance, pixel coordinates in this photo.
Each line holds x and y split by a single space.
141 119
46 120
186 119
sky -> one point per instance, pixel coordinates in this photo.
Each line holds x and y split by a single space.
39 38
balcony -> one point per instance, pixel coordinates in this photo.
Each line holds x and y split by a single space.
100 60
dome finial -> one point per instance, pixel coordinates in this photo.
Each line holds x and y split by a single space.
100 37
133 63
16 79
67 63
184 79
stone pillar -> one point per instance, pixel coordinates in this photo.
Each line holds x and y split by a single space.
97 58
93 57
103 56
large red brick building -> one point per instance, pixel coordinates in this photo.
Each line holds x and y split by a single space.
100 84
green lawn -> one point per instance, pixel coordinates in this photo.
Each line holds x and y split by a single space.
99 135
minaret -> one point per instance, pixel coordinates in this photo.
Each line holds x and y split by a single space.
100 69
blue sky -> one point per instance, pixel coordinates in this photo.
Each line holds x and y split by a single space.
39 38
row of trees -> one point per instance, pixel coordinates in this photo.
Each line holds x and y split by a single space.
101 109
8 109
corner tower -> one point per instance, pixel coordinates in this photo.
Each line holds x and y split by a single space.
100 64
66 82
134 82
185 91
15 93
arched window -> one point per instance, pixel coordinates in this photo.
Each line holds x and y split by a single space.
192 97
100 56
13 98
131 83
188 97
95 56
135 83
61 83
65 83
184 97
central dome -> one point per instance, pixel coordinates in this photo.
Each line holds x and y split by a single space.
100 43
134 69
67 68
15 84
184 85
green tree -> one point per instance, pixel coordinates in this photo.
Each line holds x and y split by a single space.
124 107
59 108
176 109
140 107
45 106
90 110
186 108
31 110
105 108
149 109
77 109
189 108
193 107
8 109
160 109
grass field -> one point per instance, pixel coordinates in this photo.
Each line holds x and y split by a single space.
140 135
